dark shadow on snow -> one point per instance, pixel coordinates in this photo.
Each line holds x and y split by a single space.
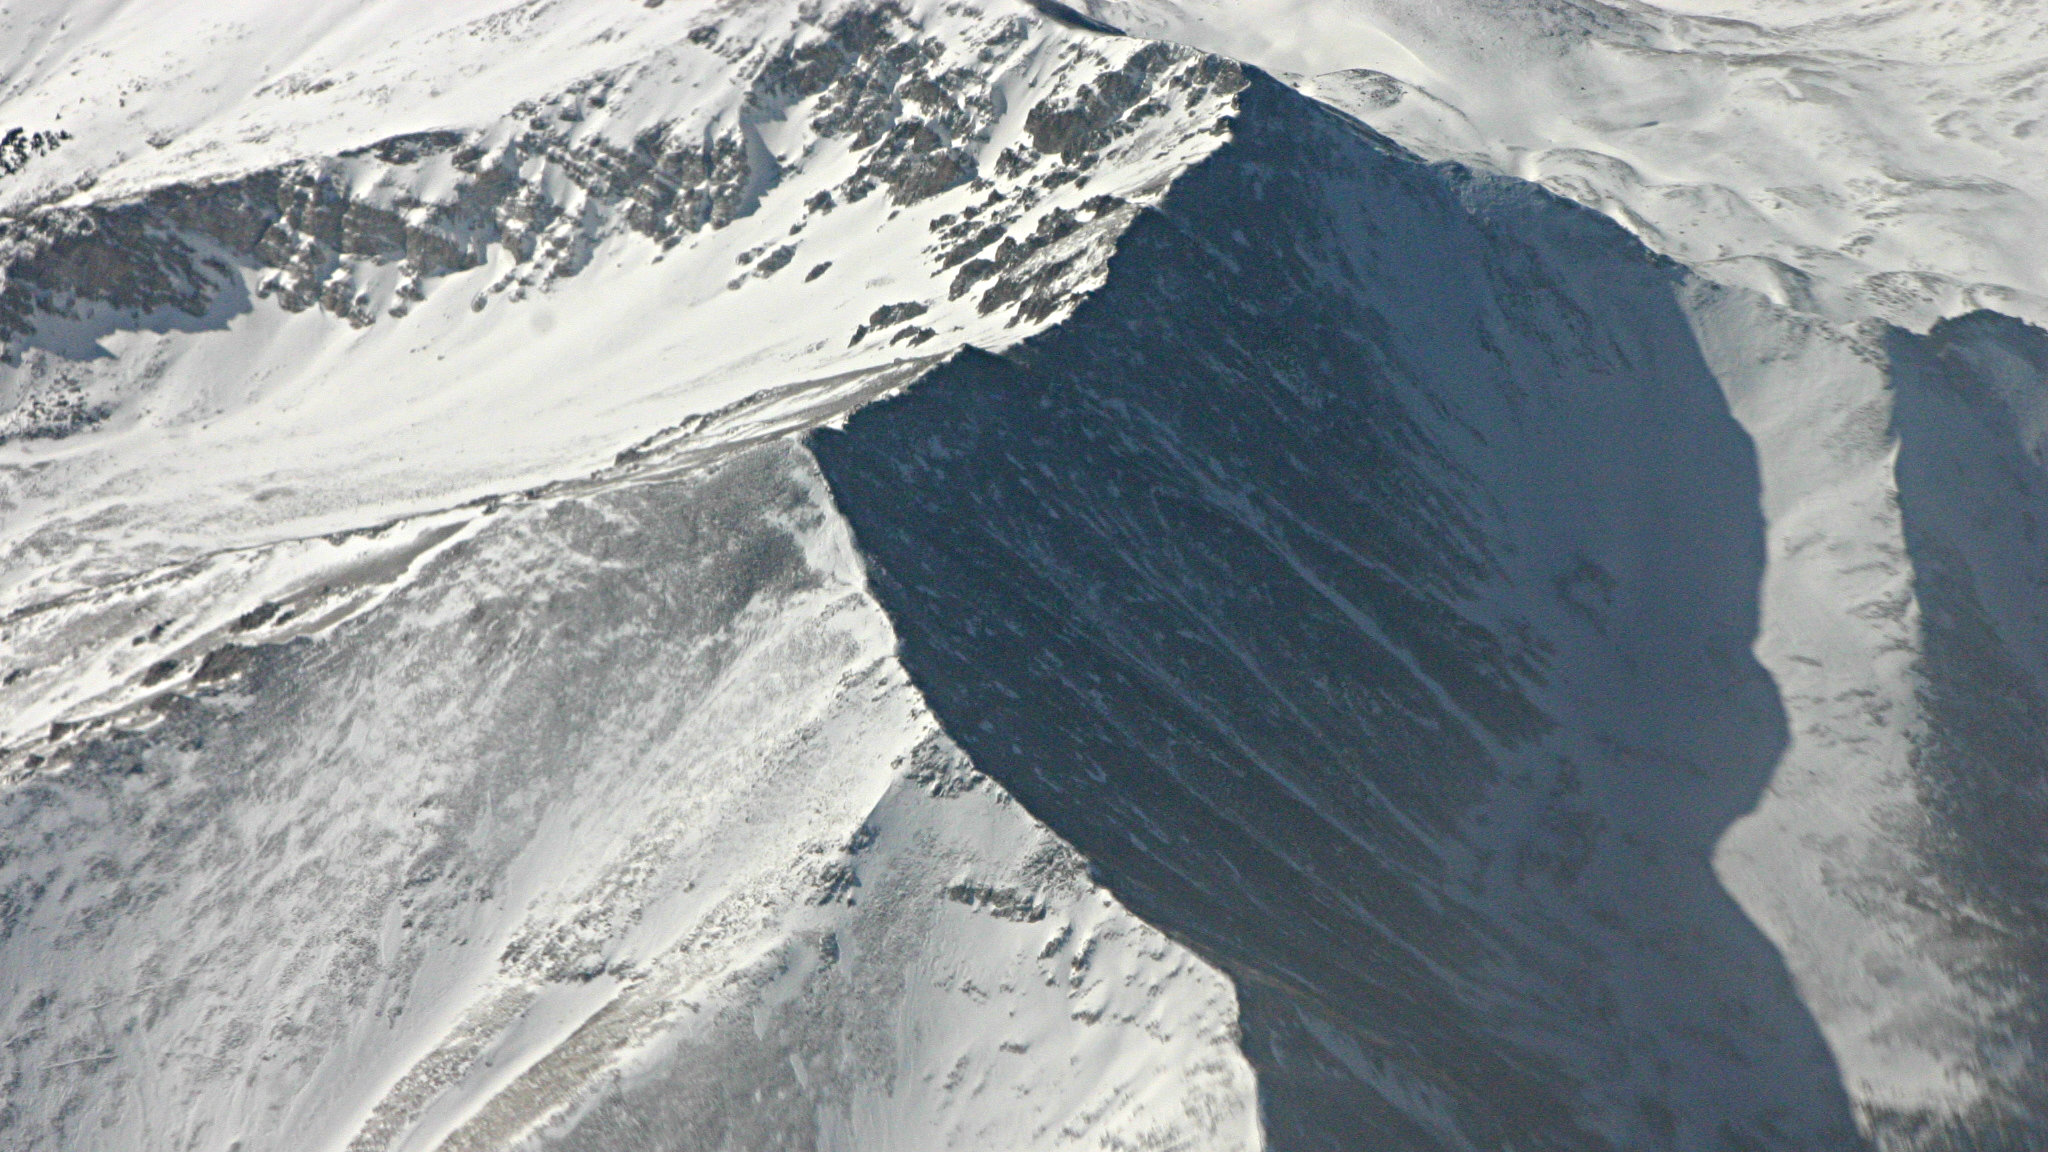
1363 580
1970 410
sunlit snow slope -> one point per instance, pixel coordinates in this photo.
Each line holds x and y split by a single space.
589 574
443 708
1849 157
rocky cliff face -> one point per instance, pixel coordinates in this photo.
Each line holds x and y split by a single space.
367 232
871 576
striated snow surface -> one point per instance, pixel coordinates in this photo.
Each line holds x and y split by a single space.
476 733
1166 574
686 232
1851 166
1851 158
409 887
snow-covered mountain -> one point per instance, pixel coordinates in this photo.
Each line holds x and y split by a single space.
1293 573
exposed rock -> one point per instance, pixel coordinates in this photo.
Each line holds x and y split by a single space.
1116 102
19 146
889 314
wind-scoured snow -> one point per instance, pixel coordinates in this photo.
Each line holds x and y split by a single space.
590 574
689 287
1848 157
412 886
397 850
1375 613
1844 167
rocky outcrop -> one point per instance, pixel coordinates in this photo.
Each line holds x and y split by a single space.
1319 581
19 146
549 181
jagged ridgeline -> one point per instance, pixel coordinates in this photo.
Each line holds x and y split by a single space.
756 897
360 233
1047 590
1326 578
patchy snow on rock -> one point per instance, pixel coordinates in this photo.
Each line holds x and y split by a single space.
989 575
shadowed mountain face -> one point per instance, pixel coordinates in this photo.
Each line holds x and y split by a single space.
855 576
1363 580
1971 417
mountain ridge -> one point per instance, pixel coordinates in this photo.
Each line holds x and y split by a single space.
1543 695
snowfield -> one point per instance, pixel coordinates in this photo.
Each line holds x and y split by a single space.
1308 574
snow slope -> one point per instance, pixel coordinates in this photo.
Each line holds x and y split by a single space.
842 575
230 428
1375 613
406 887
458 756
1848 163
1848 157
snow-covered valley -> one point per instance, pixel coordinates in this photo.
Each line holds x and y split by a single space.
1296 573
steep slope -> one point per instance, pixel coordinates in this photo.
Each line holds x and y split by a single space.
594 575
1363 580
507 751
310 348
1886 859
619 818
1848 162
1969 418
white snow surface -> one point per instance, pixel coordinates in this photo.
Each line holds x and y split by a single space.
1846 157
437 903
1828 161
254 425
431 897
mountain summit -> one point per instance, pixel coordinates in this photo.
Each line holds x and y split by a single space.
1290 574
